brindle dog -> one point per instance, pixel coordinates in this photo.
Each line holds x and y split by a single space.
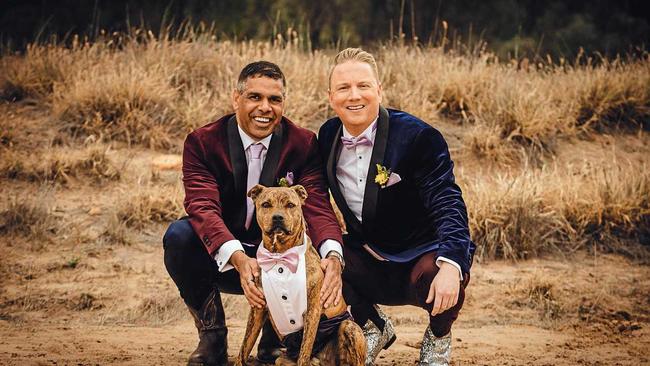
279 214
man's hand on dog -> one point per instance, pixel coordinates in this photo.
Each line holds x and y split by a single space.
249 271
444 289
331 293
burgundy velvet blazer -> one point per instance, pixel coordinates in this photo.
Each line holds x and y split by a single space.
215 174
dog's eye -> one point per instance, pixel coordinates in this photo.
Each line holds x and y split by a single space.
290 205
266 204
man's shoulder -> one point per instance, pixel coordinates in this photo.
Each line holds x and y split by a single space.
329 128
212 128
409 129
405 124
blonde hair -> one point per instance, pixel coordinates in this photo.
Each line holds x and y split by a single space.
354 54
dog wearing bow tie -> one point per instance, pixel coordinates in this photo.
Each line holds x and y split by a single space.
291 279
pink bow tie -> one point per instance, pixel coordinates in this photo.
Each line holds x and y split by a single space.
350 142
267 259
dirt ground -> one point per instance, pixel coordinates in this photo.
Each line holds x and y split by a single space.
97 294
595 312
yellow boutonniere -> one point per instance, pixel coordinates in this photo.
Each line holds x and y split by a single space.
382 175
286 181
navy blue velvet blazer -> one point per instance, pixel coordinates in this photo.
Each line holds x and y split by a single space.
423 212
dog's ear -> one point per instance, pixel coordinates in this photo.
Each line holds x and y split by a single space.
256 191
301 191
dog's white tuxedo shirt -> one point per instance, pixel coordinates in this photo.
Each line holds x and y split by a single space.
286 293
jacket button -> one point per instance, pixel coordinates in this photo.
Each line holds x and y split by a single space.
280 270
292 321
284 297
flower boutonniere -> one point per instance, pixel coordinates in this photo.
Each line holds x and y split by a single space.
383 174
287 180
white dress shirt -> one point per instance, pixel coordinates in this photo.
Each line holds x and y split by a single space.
351 174
286 293
231 246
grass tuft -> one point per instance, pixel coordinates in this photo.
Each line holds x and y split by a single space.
28 216
149 205
61 166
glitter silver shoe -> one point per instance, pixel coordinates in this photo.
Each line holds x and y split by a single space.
435 351
377 340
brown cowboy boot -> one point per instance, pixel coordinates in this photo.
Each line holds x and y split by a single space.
270 346
210 321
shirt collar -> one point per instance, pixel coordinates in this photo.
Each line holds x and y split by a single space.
248 141
370 131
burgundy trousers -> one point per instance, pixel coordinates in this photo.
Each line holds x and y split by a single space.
368 281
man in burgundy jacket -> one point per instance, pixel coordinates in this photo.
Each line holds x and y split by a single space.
221 162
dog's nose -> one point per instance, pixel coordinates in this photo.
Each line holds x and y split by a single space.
277 218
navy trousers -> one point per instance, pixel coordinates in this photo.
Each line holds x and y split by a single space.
193 270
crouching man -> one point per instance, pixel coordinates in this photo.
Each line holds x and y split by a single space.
408 240
221 162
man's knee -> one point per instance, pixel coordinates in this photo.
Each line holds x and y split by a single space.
179 234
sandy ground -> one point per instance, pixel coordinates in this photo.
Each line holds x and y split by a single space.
132 316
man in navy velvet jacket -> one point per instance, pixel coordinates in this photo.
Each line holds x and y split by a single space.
408 240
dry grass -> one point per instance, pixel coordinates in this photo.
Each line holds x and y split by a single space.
151 90
60 165
116 232
560 210
155 310
540 293
615 96
151 204
29 216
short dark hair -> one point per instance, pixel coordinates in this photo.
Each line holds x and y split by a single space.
257 69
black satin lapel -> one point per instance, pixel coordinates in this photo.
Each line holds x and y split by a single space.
239 169
371 193
267 177
335 151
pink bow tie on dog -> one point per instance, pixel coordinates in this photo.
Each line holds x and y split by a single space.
267 259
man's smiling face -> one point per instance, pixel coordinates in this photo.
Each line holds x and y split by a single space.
355 94
259 106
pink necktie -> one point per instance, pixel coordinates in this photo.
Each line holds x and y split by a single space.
254 171
267 260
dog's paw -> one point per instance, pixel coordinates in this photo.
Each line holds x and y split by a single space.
284 361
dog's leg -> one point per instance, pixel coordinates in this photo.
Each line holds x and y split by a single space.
256 319
351 344
310 321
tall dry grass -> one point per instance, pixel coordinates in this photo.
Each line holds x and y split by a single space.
505 106
152 89
558 210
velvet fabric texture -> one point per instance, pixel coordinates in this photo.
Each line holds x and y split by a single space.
214 177
327 328
422 213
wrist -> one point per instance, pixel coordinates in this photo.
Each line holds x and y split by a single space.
237 258
336 255
448 267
